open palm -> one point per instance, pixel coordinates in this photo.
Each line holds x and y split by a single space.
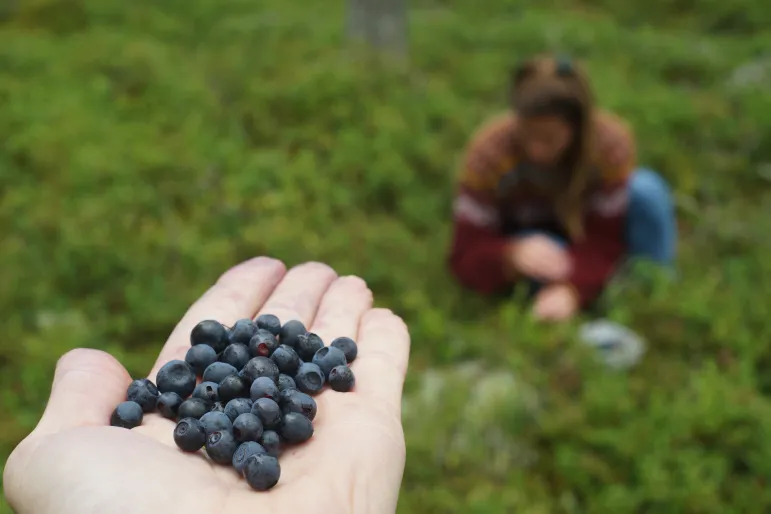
73 462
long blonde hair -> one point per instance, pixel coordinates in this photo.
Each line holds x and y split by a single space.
557 86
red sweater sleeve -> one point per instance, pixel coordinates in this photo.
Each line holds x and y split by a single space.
597 255
477 252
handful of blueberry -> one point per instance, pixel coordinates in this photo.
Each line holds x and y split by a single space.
257 381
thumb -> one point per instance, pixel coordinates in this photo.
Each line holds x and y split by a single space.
88 385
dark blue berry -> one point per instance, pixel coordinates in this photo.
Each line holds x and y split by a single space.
237 406
233 386
270 323
244 451
299 402
216 421
193 408
271 441
286 382
199 357
268 411
261 472
348 347
242 331
263 387
290 333
217 407
207 391
221 446
168 405
247 427
212 333
176 377
189 435
309 378
263 344
237 355
217 371
295 428
127 414
328 358
144 393
286 359
260 367
307 346
341 379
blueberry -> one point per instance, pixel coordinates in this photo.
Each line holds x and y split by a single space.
244 451
295 428
299 402
270 323
348 347
221 446
207 391
176 377
199 357
290 333
328 358
216 371
260 367
286 359
241 331
237 406
189 435
193 408
247 427
168 405
144 393
216 421
217 407
309 378
268 411
263 344
286 382
271 441
127 414
211 333
261 472
341 379
237 355
233 386
307 346
264 387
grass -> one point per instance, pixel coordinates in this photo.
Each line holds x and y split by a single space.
148 147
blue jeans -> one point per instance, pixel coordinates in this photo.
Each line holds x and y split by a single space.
651 226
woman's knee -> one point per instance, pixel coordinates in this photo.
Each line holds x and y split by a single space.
652 226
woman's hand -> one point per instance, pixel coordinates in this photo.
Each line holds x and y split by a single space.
73 462
557 302
540 258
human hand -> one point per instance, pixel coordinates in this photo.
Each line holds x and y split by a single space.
556 302
538 257
74 462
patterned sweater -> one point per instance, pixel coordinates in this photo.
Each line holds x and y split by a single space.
499 194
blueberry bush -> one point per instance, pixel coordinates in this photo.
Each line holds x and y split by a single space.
148 146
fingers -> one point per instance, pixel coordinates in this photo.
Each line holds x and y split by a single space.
341 309
87 386
384 349
238 293
298 296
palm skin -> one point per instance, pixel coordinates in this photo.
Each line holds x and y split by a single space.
73 462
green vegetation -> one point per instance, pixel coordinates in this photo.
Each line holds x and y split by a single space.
148 146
